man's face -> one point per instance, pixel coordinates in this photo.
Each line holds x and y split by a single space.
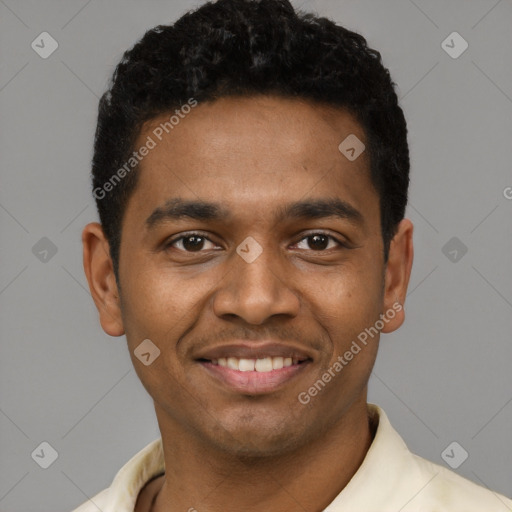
199 300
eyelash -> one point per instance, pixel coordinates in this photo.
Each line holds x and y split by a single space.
170 243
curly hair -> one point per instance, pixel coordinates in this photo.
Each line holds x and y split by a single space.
247 48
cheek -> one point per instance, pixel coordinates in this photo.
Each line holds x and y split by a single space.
346 303
160 303
349 295
351 305
159 307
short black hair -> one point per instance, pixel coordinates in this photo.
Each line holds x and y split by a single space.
248 48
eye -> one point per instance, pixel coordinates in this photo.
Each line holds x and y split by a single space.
197 242
190 242
320 241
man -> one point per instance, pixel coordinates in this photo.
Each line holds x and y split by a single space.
251 171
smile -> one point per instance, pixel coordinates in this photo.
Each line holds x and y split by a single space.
262 365
251 368
254 376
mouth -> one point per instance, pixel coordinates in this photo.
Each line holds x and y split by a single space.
254 371
261 365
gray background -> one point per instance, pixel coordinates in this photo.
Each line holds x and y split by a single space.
444 376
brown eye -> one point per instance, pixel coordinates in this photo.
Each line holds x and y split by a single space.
190 243
193 243
320 242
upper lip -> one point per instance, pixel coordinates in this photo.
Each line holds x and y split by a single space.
252 350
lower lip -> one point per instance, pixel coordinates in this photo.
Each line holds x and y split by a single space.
253 382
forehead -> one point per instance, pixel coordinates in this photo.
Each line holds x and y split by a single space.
251 153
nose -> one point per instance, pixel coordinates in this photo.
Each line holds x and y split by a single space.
256 291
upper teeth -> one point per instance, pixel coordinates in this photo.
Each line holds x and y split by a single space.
267 364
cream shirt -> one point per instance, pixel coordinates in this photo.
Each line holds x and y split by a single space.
390 479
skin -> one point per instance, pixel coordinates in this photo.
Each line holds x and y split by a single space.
227 450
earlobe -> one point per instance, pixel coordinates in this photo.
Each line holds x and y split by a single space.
100 275
398 272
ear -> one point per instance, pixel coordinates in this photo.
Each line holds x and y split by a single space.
398 272
99 270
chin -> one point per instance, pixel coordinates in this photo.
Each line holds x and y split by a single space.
255 440
254 449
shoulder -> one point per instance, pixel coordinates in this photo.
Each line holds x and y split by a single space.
409 483
124 490
98 502
448 491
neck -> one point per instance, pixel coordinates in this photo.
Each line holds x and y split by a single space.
199 478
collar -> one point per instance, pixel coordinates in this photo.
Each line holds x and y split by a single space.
386 461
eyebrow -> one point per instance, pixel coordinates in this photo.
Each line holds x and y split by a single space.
176 209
